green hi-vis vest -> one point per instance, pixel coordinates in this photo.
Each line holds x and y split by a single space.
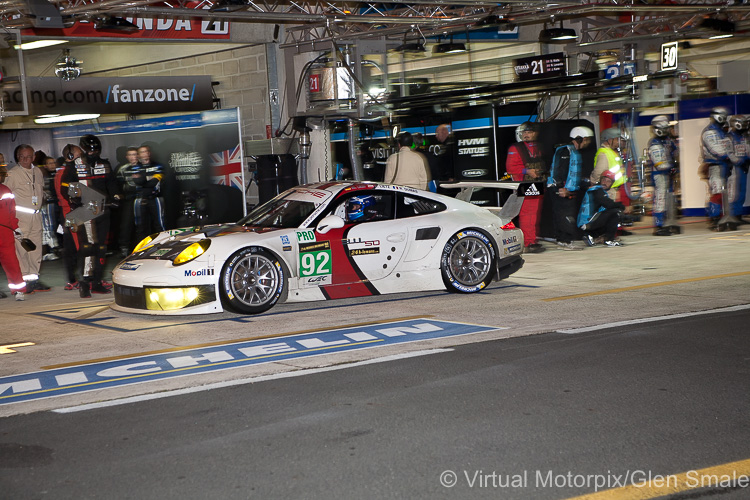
615 166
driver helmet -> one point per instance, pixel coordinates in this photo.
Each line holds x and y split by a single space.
719 115
91 145
356 206
661 126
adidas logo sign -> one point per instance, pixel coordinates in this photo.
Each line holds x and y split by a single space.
532 191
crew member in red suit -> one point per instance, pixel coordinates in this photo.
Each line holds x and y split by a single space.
8 234
525 163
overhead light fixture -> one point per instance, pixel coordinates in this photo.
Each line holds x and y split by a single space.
67 67
38 44
114 24
557 35
724 27
44 119
413 47
449 47
493 20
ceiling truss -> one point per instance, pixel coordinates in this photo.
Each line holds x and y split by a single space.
343 21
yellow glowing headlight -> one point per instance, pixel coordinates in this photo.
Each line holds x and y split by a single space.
192 252
145 242
171 299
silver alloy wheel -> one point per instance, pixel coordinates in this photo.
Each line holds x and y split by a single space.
470 261
255 280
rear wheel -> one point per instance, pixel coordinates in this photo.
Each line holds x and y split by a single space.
252 280
468 261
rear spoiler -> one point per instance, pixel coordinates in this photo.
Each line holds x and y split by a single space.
512 205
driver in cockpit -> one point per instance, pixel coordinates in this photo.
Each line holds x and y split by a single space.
361 208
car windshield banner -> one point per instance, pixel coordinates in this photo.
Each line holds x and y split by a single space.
122 95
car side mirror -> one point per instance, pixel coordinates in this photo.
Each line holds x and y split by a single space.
330 222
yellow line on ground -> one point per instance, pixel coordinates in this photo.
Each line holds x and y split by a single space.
648 285
229 341
729 475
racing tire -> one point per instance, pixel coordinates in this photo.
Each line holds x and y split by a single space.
252 281
468 261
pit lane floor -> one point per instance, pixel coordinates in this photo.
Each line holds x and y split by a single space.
555 291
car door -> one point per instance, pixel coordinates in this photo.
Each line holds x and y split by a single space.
351 259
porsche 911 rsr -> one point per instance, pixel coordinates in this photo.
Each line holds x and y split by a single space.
322 241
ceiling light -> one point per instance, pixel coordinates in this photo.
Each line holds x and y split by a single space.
415 46
64 118
38 44
114 24
67 67
449 47
501 23
557 35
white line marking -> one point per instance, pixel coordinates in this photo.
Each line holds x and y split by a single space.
651 320
231 383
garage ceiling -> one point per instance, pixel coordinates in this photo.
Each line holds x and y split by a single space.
305 21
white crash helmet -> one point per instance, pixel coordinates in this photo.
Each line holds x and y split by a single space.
719 114
581 132
660 124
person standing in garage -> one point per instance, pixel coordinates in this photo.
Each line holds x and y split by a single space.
149 204
8 236
525 163
564 182
717 161
27 183
96 173
407 167
661 155
737 182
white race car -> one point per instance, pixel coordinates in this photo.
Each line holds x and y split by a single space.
322 241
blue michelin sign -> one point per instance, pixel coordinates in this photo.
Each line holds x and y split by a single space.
94 376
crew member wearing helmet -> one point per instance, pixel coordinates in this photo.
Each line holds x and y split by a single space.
737 182
599 216
563 184
661 154
525 163
360 208
96 173
717 160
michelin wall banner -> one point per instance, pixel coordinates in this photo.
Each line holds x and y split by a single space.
201 153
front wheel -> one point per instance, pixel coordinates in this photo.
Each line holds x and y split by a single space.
252 280
468 261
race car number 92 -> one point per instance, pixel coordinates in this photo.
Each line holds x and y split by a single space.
315 258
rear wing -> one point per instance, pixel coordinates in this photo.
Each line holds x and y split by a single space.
512 205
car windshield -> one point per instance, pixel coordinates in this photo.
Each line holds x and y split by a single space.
284 213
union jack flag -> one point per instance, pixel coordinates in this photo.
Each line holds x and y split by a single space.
226 168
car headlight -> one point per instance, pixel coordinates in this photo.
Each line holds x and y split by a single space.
145 242
192 252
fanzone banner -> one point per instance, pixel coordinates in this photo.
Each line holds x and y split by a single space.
130 95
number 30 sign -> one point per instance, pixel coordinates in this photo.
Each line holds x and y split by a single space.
669 56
